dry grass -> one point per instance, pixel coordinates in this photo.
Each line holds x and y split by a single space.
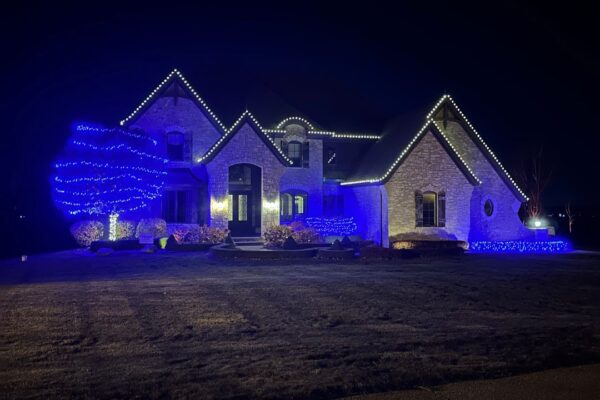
182 325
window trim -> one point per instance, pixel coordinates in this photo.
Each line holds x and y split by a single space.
294 208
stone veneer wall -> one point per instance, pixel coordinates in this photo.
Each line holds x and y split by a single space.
169 114
428 167
504 224
245 147
308 179
369 207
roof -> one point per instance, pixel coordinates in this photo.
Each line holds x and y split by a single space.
246 117
384 158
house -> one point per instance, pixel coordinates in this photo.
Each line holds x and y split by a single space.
434 175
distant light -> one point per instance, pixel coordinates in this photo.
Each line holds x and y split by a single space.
23 258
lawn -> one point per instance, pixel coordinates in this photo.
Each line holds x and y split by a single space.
183 325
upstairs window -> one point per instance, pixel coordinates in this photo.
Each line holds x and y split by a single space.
175 146
430 209
297 152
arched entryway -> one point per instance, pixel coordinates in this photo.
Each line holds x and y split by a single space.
244 200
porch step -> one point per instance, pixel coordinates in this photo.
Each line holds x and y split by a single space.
248 241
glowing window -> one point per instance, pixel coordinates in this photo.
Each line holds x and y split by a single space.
429 209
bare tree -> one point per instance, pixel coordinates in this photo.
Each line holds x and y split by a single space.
534 176
570 216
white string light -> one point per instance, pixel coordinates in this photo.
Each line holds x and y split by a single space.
233 127
178 74
403 153
464 117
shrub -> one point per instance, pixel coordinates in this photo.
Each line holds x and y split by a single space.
156 226
211 234
184 233
125 229
307 235
276 235
86 232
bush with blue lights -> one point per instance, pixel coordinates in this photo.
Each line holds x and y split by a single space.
519 246
108 171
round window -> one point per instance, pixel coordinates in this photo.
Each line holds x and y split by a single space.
488 208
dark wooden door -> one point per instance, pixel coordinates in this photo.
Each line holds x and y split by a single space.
240 214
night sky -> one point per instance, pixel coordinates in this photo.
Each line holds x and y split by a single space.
526 76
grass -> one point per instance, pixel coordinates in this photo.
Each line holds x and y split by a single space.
183 325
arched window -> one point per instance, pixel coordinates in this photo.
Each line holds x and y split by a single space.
175 146
430 209
293 205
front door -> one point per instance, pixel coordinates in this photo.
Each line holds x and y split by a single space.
240 213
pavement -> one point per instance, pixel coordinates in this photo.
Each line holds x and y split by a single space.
575 383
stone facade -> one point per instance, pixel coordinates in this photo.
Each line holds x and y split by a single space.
504 223
380 209
245 147
178 114
428 167
309 180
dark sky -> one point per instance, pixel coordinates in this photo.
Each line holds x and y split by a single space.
525 75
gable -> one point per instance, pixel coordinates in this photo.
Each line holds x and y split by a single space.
375 169
469 143
175 85
247 137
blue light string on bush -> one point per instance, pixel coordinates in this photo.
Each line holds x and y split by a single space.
519 246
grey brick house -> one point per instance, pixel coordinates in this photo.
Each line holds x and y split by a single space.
432 175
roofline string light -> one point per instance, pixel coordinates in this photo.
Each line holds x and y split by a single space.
160 86
295 118
439 103
405 151
233 127
332 134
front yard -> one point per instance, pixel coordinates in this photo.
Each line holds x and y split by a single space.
75 325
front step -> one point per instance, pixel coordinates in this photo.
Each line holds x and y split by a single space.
248 241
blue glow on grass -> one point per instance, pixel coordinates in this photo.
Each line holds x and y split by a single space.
519 246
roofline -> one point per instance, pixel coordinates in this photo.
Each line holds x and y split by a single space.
431 126
175 74
482 145
223 140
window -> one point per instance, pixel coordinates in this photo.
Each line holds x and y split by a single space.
175 146
430 209
174 205
488 207
297 152
292 205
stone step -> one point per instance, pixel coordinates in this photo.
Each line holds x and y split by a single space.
248 241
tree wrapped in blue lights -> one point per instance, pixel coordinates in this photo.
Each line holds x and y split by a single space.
108 172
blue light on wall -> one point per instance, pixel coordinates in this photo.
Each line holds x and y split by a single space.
519 246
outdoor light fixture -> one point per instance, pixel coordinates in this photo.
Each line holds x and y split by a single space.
537 223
